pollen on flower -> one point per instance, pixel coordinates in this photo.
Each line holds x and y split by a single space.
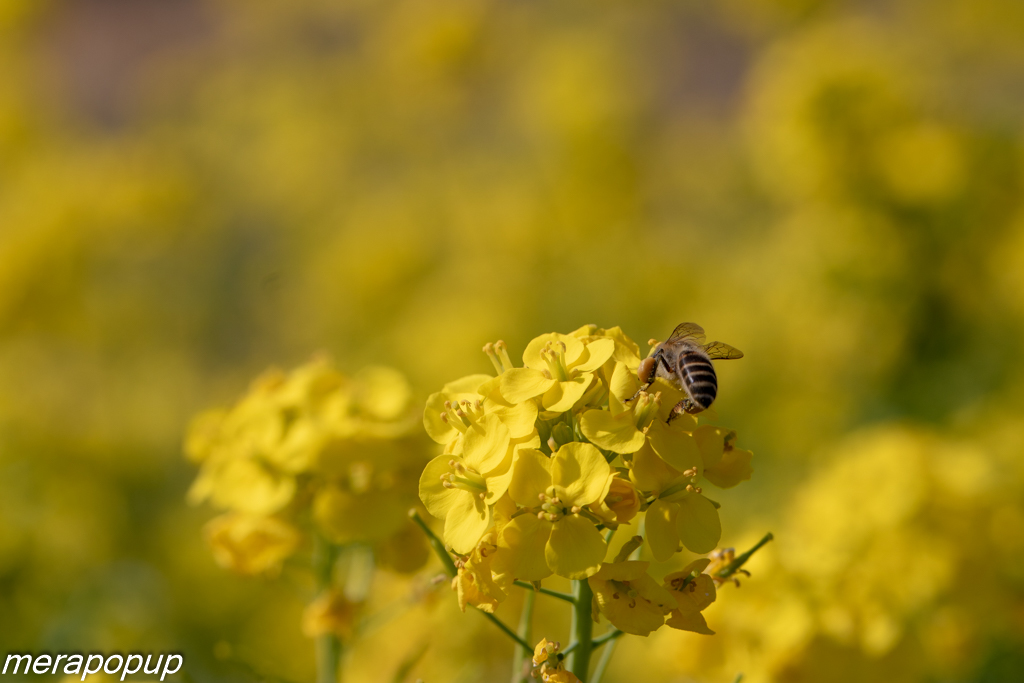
498 355
553 355
465 478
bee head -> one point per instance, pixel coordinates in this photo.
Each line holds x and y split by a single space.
646 370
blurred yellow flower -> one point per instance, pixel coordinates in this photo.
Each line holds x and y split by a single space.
250 544
331 612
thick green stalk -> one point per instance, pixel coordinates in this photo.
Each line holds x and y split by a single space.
582 630
328 647
520 672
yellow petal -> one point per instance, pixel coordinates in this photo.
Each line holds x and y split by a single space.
670 396
465 385
520 419
650 473
485 444
581 470
573 349
521 549
616 434
700 529
467 520
676 447
689 621
711 443
491 390
621 388
576 548
562 396
437 499
203 432
622 571
733 468
248 486
521 384
596 354
531 477
691 600
381 393
697 565
662 532
498 479
464 388
626 350
703 592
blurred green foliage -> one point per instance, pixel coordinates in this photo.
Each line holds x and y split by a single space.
192 191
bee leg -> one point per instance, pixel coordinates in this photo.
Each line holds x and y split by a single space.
643 388
686 405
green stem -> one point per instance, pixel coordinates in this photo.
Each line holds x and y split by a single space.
520 672
328 646
435 543
505 629
602 663
546 591
449 568
606 637
731 568
582 630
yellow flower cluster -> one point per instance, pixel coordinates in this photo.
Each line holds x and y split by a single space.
884 555
310 449
538 460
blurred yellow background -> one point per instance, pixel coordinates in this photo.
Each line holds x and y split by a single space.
194 190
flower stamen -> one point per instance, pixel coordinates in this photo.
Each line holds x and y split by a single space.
489 350
502 350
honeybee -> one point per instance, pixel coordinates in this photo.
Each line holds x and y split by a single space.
685 361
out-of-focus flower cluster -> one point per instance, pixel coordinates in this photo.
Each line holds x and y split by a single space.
886 555
538 459
310 451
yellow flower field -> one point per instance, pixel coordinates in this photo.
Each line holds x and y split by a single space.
255 258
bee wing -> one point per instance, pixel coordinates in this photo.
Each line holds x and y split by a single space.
720 351
691 331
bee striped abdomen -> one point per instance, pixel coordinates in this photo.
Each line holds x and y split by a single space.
700 378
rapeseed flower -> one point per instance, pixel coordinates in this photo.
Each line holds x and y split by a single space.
251 544
555 535
547 664
693 591
627 596
537 461
557 367
475 583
